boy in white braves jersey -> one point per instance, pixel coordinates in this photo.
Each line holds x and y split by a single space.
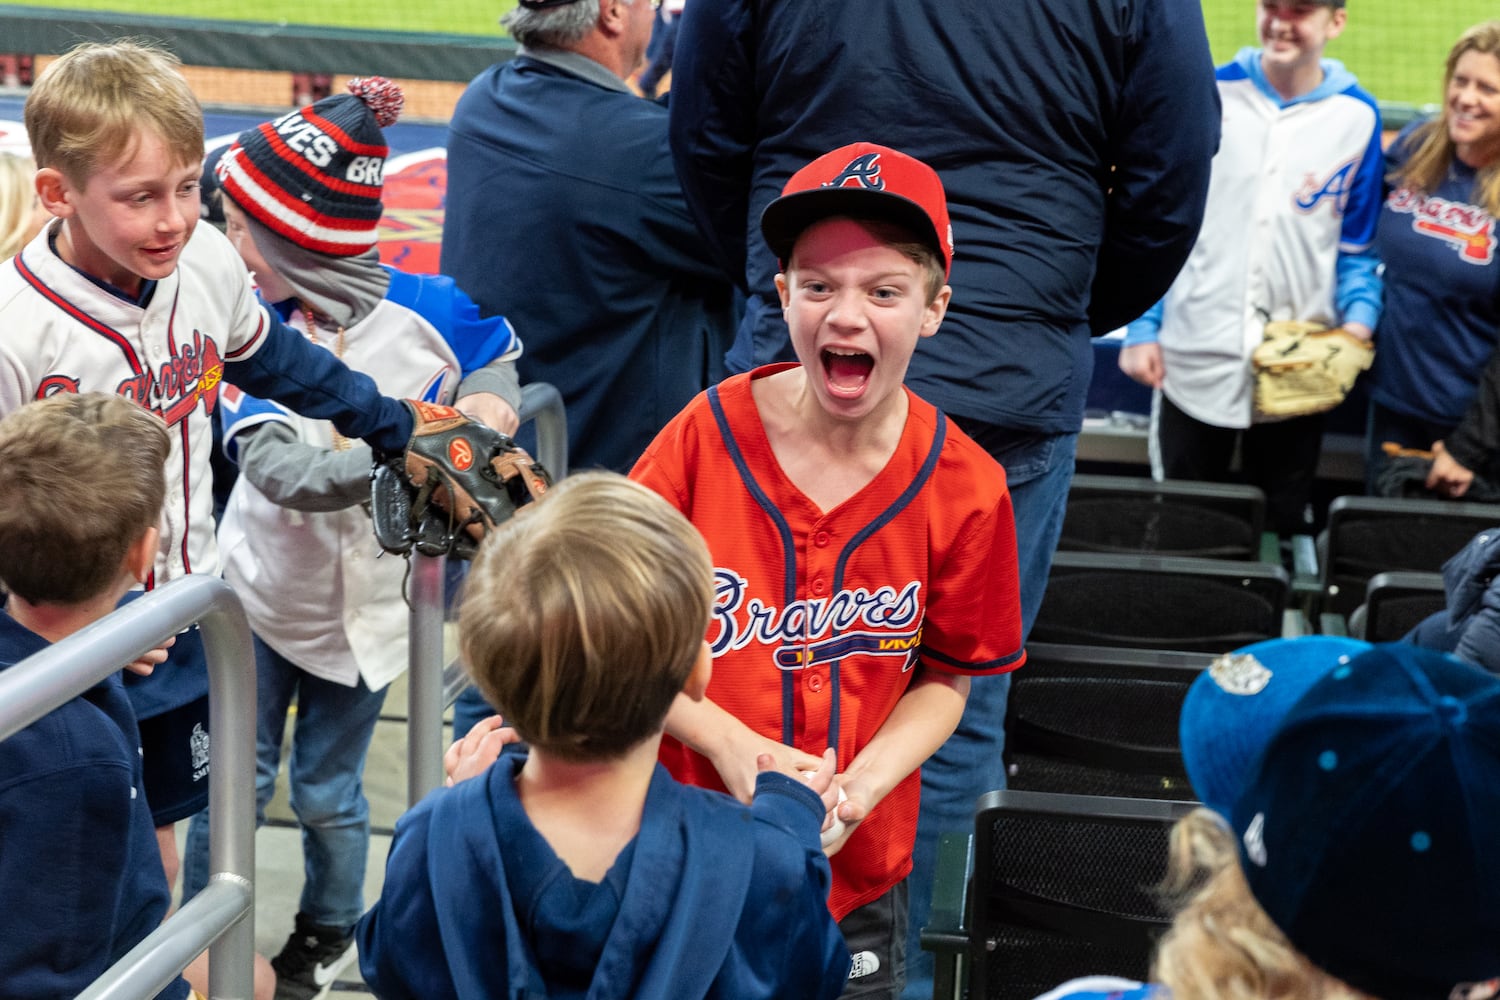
329 619
864 547
1292 205
124 293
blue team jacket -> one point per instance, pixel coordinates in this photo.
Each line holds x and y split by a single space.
564 214
721 901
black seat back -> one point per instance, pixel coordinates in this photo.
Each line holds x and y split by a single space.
1065 886
1122 514
1150 602
1371 535
1395 603
1089 720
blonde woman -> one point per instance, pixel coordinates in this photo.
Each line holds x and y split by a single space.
1439 242
21 212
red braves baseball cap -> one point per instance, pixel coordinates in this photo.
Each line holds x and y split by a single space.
866 181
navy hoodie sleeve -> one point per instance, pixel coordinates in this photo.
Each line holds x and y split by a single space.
1167 134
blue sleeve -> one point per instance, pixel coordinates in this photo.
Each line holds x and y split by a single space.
239 411
313 382
1358 292
798 933
405 913
712 123
1164 141
1147 328
475 340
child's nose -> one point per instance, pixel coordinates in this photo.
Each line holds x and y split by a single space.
847 308
173 216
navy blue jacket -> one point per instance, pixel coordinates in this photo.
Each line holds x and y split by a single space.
1073 138
721 901
1469 627
564 215
80 874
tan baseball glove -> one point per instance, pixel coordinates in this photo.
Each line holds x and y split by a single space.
1303 368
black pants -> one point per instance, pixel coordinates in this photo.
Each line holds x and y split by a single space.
1280 458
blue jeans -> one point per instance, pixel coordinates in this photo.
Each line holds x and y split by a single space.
334 725
1038 470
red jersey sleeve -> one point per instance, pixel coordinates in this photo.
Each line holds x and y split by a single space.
663 466
973 623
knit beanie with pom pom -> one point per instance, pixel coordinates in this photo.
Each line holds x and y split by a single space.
314 175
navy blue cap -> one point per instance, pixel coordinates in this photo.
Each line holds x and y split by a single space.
1235 705
1370 828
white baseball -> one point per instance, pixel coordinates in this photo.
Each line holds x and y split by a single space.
836 830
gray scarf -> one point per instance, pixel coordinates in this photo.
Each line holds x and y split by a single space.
340 290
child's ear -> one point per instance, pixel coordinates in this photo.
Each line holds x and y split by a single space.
52 187
696 685
783 290
936 310
1336 25
141 556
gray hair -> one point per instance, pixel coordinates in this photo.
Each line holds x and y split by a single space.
554 27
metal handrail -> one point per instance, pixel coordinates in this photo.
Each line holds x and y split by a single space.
221 917
429 692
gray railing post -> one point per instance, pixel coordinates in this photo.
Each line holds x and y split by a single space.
429 690
541 402
221 917
424 710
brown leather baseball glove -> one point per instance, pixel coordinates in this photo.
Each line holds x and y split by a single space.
455 482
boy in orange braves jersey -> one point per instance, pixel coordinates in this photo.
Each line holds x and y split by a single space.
864 548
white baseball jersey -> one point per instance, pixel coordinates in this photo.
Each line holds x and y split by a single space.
313 584
61 332
1293 185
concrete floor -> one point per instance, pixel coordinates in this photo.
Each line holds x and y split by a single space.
278 845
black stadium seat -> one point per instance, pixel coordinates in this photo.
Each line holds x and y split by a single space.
1087 720
1371 535
1060 886
1124 514
1150 602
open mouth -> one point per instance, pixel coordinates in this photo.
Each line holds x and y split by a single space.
847 371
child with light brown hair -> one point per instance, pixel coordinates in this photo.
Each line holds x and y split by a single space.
80 871
581 866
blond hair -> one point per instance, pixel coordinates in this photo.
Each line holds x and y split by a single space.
1432 147
17 202
88 106
1222 945
84 481
583 615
